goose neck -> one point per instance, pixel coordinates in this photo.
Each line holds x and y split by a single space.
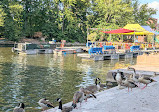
96 81
60 105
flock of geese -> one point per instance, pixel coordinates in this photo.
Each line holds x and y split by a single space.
133 81
83 93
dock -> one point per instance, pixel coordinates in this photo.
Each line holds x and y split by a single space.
115 55
101 57
68 50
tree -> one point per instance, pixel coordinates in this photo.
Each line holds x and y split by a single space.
13 22
111 13
2 16
68 19
142 13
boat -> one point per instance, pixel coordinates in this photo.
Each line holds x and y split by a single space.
31 48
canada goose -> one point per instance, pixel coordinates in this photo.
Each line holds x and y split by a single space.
87 93
63 109
145 80
79 96
101 85
20 108
94 88
129 84
119 77
44 103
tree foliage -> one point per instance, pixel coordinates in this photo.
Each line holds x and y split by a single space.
142 13
68 19
2 16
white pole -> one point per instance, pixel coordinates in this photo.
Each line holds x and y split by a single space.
87 37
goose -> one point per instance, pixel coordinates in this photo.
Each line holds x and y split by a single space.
87 93
101 85
94 88
20 108
63 109
79 96
44 103
129 84
145 80
134 77
119 77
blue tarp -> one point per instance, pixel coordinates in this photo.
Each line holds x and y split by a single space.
148 28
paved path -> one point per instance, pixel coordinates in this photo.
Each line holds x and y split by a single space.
120 100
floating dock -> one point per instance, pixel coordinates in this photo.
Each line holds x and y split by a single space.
68 50
101 57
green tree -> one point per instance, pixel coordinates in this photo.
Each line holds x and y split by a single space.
111 13
142 13
68 19
2 16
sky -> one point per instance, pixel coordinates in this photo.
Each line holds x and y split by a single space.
152 4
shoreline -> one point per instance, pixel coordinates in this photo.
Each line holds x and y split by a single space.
120 100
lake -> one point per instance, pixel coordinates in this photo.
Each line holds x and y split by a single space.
27 78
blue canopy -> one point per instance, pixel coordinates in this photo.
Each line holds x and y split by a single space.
148 28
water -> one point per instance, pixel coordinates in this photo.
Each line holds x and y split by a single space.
27 78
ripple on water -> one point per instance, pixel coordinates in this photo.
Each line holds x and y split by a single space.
31 77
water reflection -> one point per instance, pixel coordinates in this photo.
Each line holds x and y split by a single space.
27 78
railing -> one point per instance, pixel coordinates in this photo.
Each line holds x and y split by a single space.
95 50
119 45
134 48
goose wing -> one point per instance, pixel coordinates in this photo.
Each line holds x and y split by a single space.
67 109
18 110
147 78
114 75
77 96
88 92
47 102
132 84
92 88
